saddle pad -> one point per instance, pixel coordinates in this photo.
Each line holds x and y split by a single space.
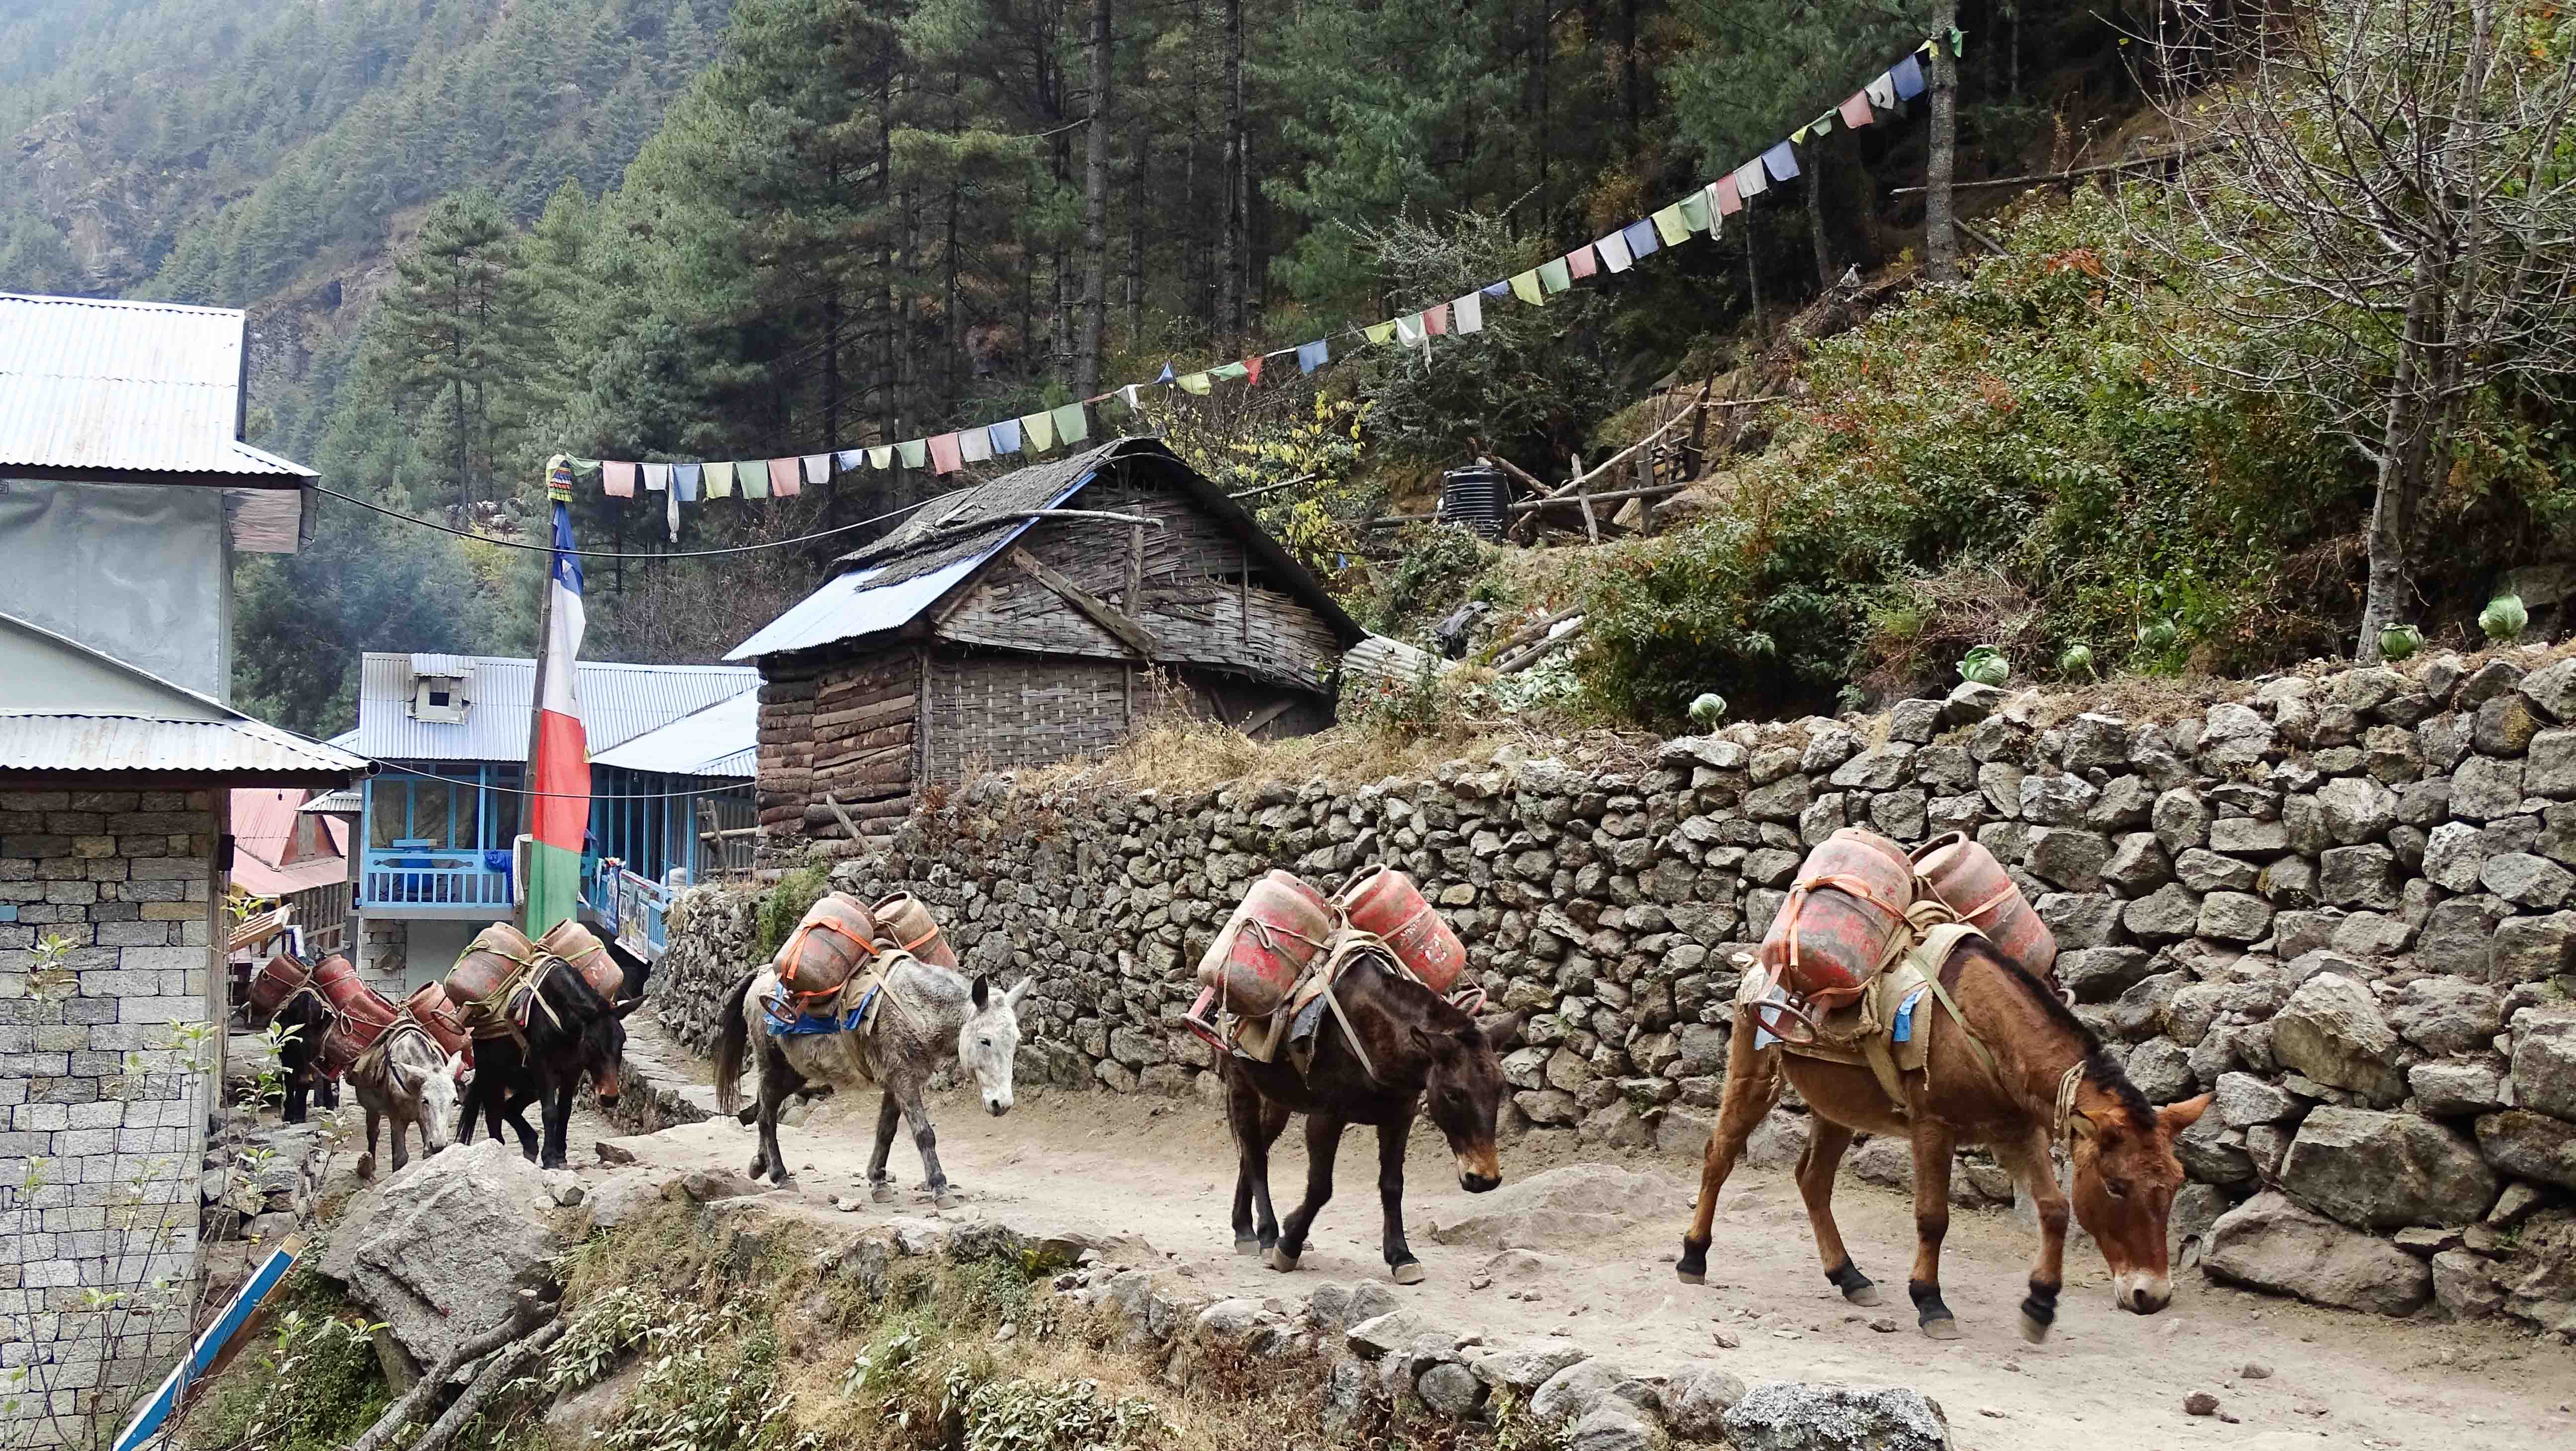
783 1024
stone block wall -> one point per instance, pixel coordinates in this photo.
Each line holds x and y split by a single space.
102 1105
2341 902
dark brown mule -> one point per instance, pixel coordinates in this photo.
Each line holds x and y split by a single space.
1427 1053
2125 1169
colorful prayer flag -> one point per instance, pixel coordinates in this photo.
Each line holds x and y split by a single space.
851 460
1497 289
1469 311
786 476
1378 332
1907 75
1881 92
944 457
1614 252
881 456
1728 196
1781 162
818 468
1641 239
684 482
657 478
1408 330
559 758
974 445
1228 372
1669 226
1037 431
1167 374
617 480
1316 354
1749 180
1856 112
1580 263
1252 370
1194 382
1694 210
1072 423
1525 287
1127 395
915 452
1006 436
753 476
719 481
1553 276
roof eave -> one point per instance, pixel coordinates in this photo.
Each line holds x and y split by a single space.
300 478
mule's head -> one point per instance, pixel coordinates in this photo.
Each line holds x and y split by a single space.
1463 1093
603 1048
429 1080
988 1042
2126 1174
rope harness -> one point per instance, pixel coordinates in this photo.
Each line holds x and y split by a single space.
506 1010
803 1001
1918 925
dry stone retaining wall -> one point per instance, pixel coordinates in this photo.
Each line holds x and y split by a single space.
2343 904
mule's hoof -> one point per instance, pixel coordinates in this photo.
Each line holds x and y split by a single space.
1690 1277
2033 1329
1408 1273
881 1193
1282 1261
366 1166
1247 1245
947 1199
1865 1295
1944 1328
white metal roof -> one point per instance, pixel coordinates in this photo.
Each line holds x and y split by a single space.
618 703
721 740
127 388
66 741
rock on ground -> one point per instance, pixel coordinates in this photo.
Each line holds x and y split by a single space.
1806 1416
439 1251
1698 1399
1566 1205
2273 1243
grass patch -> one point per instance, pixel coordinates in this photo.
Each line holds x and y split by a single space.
786 905
311 1385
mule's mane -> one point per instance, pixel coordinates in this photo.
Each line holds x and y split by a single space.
2099 1065
1446 1016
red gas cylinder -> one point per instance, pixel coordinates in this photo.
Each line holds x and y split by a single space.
1849 899
275 982
908 918
581 947
495 954
1384 902
355 1028
837 937
1282 923
338 982
438 1018
1969 881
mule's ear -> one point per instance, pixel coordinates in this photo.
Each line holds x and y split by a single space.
982 991
1018 991
1437 1045
2179 1116
456 1065
628 1006
2081 1127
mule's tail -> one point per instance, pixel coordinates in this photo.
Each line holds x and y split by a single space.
733 1039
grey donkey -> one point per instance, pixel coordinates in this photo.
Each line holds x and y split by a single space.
926 1016
411 1082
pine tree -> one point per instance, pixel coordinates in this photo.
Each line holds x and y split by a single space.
461 327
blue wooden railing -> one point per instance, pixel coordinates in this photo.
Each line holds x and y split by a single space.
420 876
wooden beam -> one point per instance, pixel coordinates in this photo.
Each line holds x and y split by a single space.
1615 496
1133 635
1263 717
848 827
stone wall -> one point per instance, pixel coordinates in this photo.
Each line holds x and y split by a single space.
105 1067
2341 902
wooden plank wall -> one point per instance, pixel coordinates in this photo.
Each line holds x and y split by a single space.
840 727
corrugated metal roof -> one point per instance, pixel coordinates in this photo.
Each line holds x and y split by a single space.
618 703
265 824
74 741
721 740
858 604
334 803
454 667
127 387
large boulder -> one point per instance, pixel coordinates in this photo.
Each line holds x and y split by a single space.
2271 1242
1814 1416
440 1250
1697 1399
2331 1029
2544 1063
2386 1170
1586 1386
2530 1145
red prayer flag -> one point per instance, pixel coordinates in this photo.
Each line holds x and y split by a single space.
1856 110
1730 199
1580 262
1252 371
943 454
617 480
1435 321
785 476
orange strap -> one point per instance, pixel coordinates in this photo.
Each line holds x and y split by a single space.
1988 905
796 942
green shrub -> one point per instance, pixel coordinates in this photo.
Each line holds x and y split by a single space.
787 904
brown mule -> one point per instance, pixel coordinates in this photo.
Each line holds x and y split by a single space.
2125 1169
1427 1054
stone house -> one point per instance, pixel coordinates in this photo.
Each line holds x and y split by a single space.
1031 619
121 471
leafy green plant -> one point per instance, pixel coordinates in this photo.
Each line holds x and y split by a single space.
1985 665
788 901
2504 617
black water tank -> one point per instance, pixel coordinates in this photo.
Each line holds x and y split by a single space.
1477 496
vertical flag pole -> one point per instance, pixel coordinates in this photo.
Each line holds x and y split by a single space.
558 776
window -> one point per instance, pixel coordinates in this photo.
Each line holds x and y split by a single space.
439 699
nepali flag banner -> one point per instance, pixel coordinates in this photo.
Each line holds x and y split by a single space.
559 764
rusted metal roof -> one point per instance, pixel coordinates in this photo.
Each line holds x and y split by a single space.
33 740
618 703
92 388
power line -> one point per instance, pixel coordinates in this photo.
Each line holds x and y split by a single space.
610 553
522 791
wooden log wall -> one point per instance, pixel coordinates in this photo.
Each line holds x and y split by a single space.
843 728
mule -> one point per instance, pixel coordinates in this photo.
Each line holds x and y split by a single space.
299 1056
1422 1052
2049 1080
412 1081
925 1017
583 1038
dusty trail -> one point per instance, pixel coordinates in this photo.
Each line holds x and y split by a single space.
1590 1260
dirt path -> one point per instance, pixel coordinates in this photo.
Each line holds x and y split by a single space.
1597 1270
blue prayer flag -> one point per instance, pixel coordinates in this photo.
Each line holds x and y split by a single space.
1498 289
684 482
1641 238
1781 162
1316 354
1167 374
1908 75
1006 436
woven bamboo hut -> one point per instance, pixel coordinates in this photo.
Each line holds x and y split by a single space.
1028 620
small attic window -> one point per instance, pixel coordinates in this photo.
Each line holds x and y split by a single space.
439 699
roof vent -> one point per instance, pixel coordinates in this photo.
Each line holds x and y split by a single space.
438 688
